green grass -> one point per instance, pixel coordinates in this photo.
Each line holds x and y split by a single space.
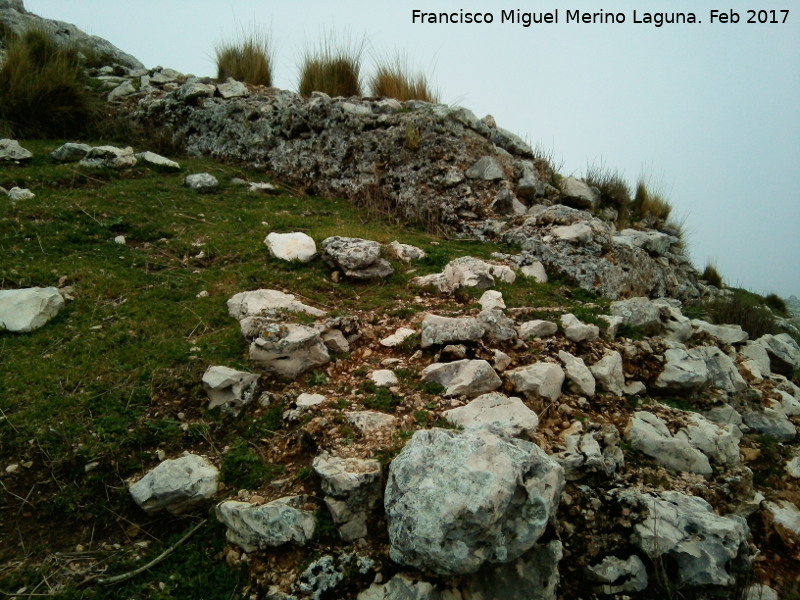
248 60
333 68
44 91
744 308
243 467
393 79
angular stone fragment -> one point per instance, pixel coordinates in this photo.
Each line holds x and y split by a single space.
258 303
177 486
538 379
577 331
466 271
455 500
256 527
232 89
685 370
229 389
463 377
502 413
727 334
397 338
367 421
648 434
151 159
110 157
384 378
784 353
70 152
722 371
11 151
618 575
537 329
192 90
18 194
577 233
496 326
535 271
438 330
486 169
289 349
202 183
581 380
609 374
492 300
639 313
357 258
27 309
405 252
578 194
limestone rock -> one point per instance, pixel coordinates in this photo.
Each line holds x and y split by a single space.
496 326
256 527
535 271
264 302
609 374
722 371
109 157
648 434
438 330
232 89
654 242
486 169
18 194
688 531
577 233
177 486
357 258
534 576
11 151
760 592
771 420
406 252
502 413
577 331
684 370
397 338
581 380
27 309
463 377
537 329
727 334
151 159
193 90
578 194
783 351
756 354
785 520
306 401
674 325
229 389
202 183
539 379
291 246
367 421
639 313
584 453
718 442
289 349
466 271
618 575
614 323
492 300
384 378
455 500
352 486
402 587
123 89
70 152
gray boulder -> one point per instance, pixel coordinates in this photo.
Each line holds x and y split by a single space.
202 183
289 349
502 413
579 377
232 89
686 530
11 151
124 89
256 527
438 330
486 169
17 194
539 379
356 258
535 271
727 334
585 454
654 242
264 302
466 271
578 194
722 371
109 157
784 353
177 486
229 389
536 329
497 327
577 233
403 587
28 309
771 420
191 91
617 575
684 370
639 313
406 252
455 500
756 359
156 161
463 377
70 152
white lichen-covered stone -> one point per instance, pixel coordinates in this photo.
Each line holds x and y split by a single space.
438 330
405 252
502 413
608 373
27 309
684 370
648 434
397 338
110 157
11 151
258 303
202 183
455 500
70 152
229 389
151 159
619 575
177 486
536 329
367 421
727 334
256 527
492 300
295 246
384 378
578 331
579 377
288 350
18 194
722 371
783 351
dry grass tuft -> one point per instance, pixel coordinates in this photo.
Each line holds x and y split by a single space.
249 60
393 80
334 68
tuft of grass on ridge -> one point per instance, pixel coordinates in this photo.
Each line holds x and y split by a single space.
650 207
44 90
394 80
248 60
333 68
614 191
712 276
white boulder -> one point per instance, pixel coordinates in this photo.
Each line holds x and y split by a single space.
27 309
296 246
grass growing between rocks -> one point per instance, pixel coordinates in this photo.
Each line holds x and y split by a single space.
92 399
248 60
333 68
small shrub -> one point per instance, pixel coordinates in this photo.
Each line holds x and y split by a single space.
249 60
745 309
394 81
777 304
614 192
652 208
382 400
243 467
334 69
712 276
44 91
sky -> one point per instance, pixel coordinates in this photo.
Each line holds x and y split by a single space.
708 112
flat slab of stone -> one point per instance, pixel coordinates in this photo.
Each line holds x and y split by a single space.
397 338
110 157
265 302
367 421
507 414
539 379
151 159
289 349
256 527
70 152
648 434
438 330
27 309
536 329
177 486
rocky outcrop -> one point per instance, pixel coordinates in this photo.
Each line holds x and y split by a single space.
177 486
254 526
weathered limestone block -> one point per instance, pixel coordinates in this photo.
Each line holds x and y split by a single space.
463 377
256 527
229 389
539 379
499 411
28 309
177 486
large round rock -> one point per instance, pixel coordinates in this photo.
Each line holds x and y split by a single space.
455 500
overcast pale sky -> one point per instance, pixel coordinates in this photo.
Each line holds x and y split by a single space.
711 111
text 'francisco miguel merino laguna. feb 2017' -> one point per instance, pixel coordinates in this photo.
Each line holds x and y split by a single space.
655 19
